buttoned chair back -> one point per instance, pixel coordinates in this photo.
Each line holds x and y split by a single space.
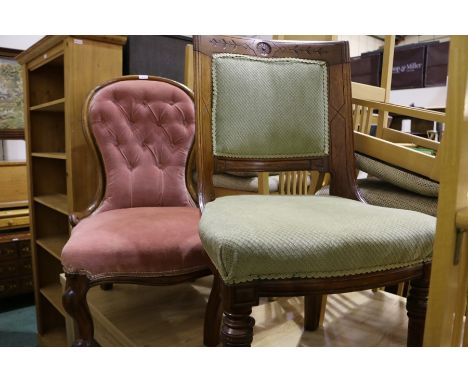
144 130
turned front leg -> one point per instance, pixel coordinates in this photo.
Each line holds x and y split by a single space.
416 305
237 327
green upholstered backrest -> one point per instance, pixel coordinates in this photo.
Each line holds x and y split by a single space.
269 107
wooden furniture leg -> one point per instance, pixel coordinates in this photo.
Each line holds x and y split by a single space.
312 312
213 315
237 327
74 302
416 306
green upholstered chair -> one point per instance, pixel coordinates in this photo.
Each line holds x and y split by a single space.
281 106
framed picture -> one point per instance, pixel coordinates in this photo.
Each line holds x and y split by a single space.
11 96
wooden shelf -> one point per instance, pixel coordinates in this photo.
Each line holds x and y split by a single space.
55 337
17 218
57 202
62 174
19 203
50 155
56 105
53 244
53 293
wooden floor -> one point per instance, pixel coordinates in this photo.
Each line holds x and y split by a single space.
131 315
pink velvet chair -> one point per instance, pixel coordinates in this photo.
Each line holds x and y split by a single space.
143 226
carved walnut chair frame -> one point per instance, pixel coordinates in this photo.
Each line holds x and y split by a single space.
237 300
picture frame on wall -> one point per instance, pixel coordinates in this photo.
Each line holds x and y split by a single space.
11 96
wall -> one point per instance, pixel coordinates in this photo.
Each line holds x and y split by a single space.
14 150
430 97
423 38
359 44
18 42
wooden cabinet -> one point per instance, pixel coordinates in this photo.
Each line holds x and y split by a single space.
59 72
15 263
15 255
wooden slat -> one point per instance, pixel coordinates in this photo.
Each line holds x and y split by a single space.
386 81
356 117
316 182
16 218
396 155
282 181
54 337
427 115
19 203
14 213
387 66
362 120
396 136
188 66
263 183
53 293
48 59
55 105
461 219
49 42
300 182
367 92
53 244
50 155
57 202
15 222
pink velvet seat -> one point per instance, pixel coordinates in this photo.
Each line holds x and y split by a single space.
143 227
158 241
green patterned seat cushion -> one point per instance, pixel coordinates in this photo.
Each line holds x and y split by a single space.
269 107
397 177
383 194
251 237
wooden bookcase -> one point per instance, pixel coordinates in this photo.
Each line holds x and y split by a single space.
58 74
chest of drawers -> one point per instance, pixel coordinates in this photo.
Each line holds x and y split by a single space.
15 264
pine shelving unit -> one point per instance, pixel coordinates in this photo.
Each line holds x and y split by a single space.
58 74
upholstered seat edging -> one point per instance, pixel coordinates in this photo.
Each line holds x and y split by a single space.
251 237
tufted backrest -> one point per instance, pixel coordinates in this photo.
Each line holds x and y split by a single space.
143 129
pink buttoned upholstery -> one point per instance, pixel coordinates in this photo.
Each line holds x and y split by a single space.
147 222
144 130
